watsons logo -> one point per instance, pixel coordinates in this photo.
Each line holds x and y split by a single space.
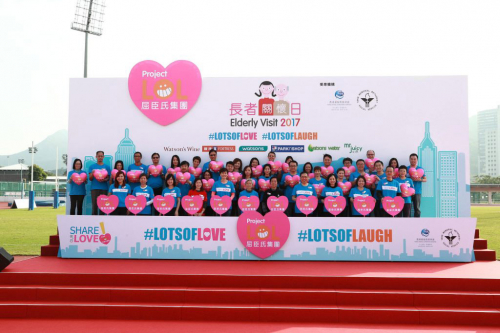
252 148
89 235
181 149
312 148
154 74
255 221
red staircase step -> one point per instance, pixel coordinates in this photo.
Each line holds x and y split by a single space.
476 233
480 244
485 255
50 250
54 240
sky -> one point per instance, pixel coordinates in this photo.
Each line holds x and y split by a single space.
39 52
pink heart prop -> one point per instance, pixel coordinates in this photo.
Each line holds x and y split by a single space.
407 191
285 167
292 181
164 95
319 188
173 171
164 204
370 179
277 204
248 204
100 174
277 165
348 170
261 235
182 177
264 184
195 171
257 171
134 204
155 170
133 176
364 206
274 168
215 166
396 173
393 206
243 181
346 187
192 204
114 172
232 177
335 205
207 184
326 171
105 239
220 205
370 163
79 179
237 175
311 175
306 205
106 204
416 174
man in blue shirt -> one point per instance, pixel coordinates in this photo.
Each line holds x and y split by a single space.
213 157
417 182
186 186
285 185
388 187
98 186
305 189
137 166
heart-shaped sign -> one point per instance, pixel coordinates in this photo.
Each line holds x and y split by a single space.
274 166
162 94
396 173
192 204
325 171
243 182
319 188
155 170
364 206
346 187
79 179
416 173
173 171
195 171
277 204
335 205
133 176
248 204
348 170
292 181
407 191
311 175
207 184
215 166
264 184
306 205
106 204
100 174
261 235
220 205
164 204
237 175
257 171
232 177
370 179
393 206
114 172
182 177
285 167
134 204
370 162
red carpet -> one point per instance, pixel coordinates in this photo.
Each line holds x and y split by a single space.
250 296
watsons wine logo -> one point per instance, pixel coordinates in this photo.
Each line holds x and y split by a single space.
89 234
181 149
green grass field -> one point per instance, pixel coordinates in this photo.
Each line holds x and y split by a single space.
23 232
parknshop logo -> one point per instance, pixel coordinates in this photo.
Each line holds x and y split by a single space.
287 149
252 148
367 100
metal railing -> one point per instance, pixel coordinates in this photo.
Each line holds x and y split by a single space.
42 189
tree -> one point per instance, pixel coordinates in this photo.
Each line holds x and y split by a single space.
486 179
38 173
65 159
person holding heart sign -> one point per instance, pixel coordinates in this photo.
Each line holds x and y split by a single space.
136 166
99 176
224 187
213 158
417 181
379 176
144 190
331 190
273 191
388 187
407 183
341 179
319 184
118 167
305 189
248 191
198 190
359 190
207 177
186 186
360 171
156 174
121 190
247 174
289 184
77 188
173 191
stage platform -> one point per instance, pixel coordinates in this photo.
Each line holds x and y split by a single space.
250 296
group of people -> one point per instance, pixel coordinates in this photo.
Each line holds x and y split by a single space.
368 177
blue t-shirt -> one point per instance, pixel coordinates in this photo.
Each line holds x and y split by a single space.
148 193
388 188
355 192
215 175
95 184
186 187
315 181
382 177
418 185
331 192
121 193
409 183
288 189
354 175
174 192
75 189
156 182
142 167
306 191
223 189
245 193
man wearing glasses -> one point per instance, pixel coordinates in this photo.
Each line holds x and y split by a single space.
213 157
136 166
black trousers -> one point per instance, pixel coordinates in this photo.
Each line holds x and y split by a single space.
94 195
76 204
156 191
120 211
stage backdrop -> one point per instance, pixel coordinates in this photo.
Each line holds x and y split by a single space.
309 116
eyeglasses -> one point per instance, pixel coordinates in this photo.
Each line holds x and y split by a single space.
156 157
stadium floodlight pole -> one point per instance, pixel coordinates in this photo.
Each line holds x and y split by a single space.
32 151
21 161
89 17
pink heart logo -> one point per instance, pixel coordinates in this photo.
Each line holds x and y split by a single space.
182 177
285 167
164 204
325 171
192 204
277 204
100 174
220 205
106 204
207 184
416 174
348 170
319 188
155 170
105 239
173 171
306 205
133 176
243 182
79 179
407 191
195 171
134 204
393 206
264 184
261 235
370 179
335 205
257 171
164 95
215 166
370 163
364 206
248 204
346 187
292 181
